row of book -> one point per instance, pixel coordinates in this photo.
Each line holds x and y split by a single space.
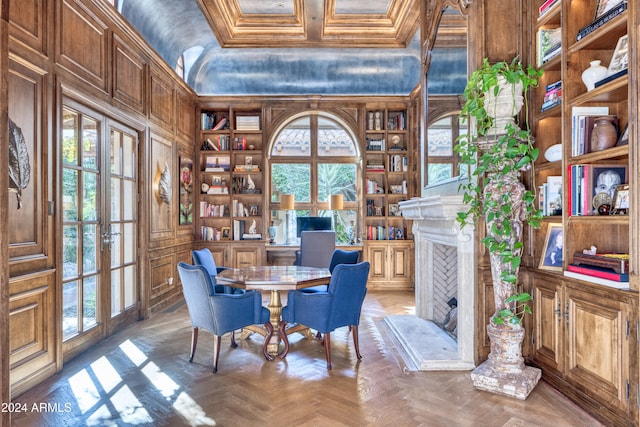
209 121
217 143
374 187
550 196
549 44
398 163
379 232
397 121
208 210
376 144
210 233
552 96
239 209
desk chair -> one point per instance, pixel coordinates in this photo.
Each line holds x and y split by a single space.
219 313
339 306
316 248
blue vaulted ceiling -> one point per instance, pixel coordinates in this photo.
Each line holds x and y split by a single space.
177 27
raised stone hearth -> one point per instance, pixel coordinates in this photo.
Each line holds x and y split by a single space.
445 266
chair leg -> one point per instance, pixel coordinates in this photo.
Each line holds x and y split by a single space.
233 339
216 352
355 340
327 348
267 340
283 335
194 343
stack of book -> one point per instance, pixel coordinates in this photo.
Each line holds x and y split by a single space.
375 144
546 7
375 166
605 269
553 96
602 19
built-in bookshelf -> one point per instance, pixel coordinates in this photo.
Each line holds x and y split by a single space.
231 180
386 174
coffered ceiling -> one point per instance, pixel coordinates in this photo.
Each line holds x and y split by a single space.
312 23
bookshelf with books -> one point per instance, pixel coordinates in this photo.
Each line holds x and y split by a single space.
231 182
570 299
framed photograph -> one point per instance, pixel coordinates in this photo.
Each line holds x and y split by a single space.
621 200
605 178
226 233
624 136
217 181
620 58
399 233
552 255
248 160
605 6
394 209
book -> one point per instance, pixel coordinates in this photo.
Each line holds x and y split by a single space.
612 77
597 280
605 273
547 6
617 262
601 20
549 44
221 124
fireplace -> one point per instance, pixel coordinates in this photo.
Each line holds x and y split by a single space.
444 281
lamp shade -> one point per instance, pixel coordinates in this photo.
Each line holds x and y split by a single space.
286 202
336 202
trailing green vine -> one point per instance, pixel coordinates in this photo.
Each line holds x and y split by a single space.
498 157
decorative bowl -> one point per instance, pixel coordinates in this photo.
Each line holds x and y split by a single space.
553 153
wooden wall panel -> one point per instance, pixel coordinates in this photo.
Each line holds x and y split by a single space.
161 103
32 325
28 225
165 284
162 224
28 23
82 43
128 76
185 115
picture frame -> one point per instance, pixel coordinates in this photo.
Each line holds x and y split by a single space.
624 136
604 6
620 58
225 233
399 233
185 206
217 181
621 200
552 252
605 178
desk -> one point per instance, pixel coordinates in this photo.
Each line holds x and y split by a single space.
286 254
274 279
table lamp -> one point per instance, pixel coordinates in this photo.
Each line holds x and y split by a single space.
287 202
336 203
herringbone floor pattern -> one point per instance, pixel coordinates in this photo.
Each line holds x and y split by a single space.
141 376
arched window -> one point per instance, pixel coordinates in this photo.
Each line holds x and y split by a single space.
314 156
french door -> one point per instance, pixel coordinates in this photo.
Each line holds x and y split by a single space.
99 226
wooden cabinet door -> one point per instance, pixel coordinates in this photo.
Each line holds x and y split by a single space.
549 321
377 257
598 347
220 255
401 263
246 256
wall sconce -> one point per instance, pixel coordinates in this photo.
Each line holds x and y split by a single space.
287 204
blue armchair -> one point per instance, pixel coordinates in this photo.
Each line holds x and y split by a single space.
339 306
219 313
204 257
339 256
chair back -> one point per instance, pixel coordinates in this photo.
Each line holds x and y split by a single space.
316 248
204 257
343 257
348 286
196 283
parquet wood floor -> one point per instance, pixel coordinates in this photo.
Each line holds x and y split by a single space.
141 376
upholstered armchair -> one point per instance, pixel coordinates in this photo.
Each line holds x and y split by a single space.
219 313
339 306
339 257
204 257
316 248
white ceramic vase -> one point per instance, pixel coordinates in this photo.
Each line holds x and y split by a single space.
593 74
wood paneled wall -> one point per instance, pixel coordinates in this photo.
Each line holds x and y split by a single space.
84 51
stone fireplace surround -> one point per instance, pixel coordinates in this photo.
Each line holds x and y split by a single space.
435 230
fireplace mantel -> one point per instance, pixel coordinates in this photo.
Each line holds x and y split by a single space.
434 228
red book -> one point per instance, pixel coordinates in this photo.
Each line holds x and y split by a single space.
604 273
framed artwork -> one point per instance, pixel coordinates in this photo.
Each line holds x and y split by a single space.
217 181
621 200
552 255
226 233
605 6
624 136
620 58
605 178
186 187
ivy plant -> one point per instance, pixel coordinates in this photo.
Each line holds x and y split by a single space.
498 158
